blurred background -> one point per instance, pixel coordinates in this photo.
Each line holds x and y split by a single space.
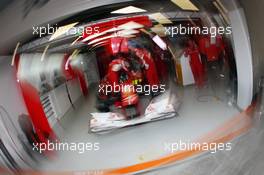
198 65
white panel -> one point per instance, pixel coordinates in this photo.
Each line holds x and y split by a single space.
187 75
12 101
242 48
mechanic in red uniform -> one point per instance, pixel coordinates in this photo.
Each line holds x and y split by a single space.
211 47
160 60
203 42
149 65
197 67
212 50
114 69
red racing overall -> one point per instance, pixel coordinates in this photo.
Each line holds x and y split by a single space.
195 62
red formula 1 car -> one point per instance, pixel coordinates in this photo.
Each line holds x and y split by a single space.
119 105
118 101
119 89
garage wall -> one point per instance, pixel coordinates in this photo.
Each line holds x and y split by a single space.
12 105
10 95
243 53
254 15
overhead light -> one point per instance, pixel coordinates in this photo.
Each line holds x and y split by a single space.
222 11
101 39
14 54
128 10
185 5
93 48
222 6
159 30
74 42
100 34
100 43
130 36
127 32
160 42
62 30
130 25
146 32
44 53
127 26
191 21
93 36
73 55
160 18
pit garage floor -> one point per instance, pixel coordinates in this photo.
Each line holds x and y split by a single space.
201 111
